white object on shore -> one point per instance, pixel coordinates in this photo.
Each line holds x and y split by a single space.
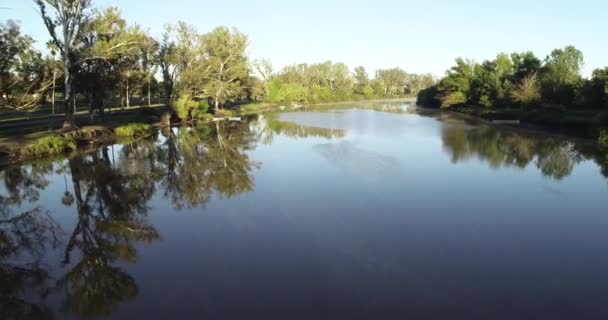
234 119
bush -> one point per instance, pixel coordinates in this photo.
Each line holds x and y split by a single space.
224 113
603 140
50 145
429 97
133 130
205 117
187 108
452 99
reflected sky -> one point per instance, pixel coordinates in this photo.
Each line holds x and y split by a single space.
366 211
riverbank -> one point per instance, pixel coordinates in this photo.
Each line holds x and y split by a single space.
40 138
584 123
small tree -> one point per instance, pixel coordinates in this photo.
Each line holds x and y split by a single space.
527 92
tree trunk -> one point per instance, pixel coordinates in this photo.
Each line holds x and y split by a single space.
53 93
216 104
90 106
68 124
127 93
149 97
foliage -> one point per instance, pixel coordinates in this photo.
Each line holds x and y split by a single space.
429 97
188 108
225 113
520 79
561 74
23 73
133 130
527 92
113 59
50 145
603 139
453 99
226 64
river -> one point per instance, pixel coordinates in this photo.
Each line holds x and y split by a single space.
370 210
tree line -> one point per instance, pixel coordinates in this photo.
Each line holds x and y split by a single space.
98 57
521 80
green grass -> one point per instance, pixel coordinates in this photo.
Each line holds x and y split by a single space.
49 145
133 130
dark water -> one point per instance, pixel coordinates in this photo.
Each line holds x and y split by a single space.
346 214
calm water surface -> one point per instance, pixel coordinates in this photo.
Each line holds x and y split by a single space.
368 211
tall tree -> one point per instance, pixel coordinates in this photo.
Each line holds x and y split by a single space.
561 74
226 64
68 17
361 79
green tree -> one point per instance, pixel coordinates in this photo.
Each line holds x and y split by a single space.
455 88
561 74
225 65
361 80
394 80
110 60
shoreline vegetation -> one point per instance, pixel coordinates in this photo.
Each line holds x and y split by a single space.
99 67
548 93
46 143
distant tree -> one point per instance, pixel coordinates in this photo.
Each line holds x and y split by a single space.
525 64
561 74
455 88
393 79
65 26
361 79
264 69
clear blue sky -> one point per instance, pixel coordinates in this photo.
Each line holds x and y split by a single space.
417 35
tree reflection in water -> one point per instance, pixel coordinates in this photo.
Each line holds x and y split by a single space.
110 188
554 156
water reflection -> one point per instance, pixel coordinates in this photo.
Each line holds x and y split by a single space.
554 156
270 126
111 219
25 279
109 189
108 194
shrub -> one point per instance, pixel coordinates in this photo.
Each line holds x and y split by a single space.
224 113
133 130
368 91
205 117
50 145
187 108
603 140
452 99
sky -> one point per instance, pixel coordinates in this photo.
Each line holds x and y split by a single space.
418 36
